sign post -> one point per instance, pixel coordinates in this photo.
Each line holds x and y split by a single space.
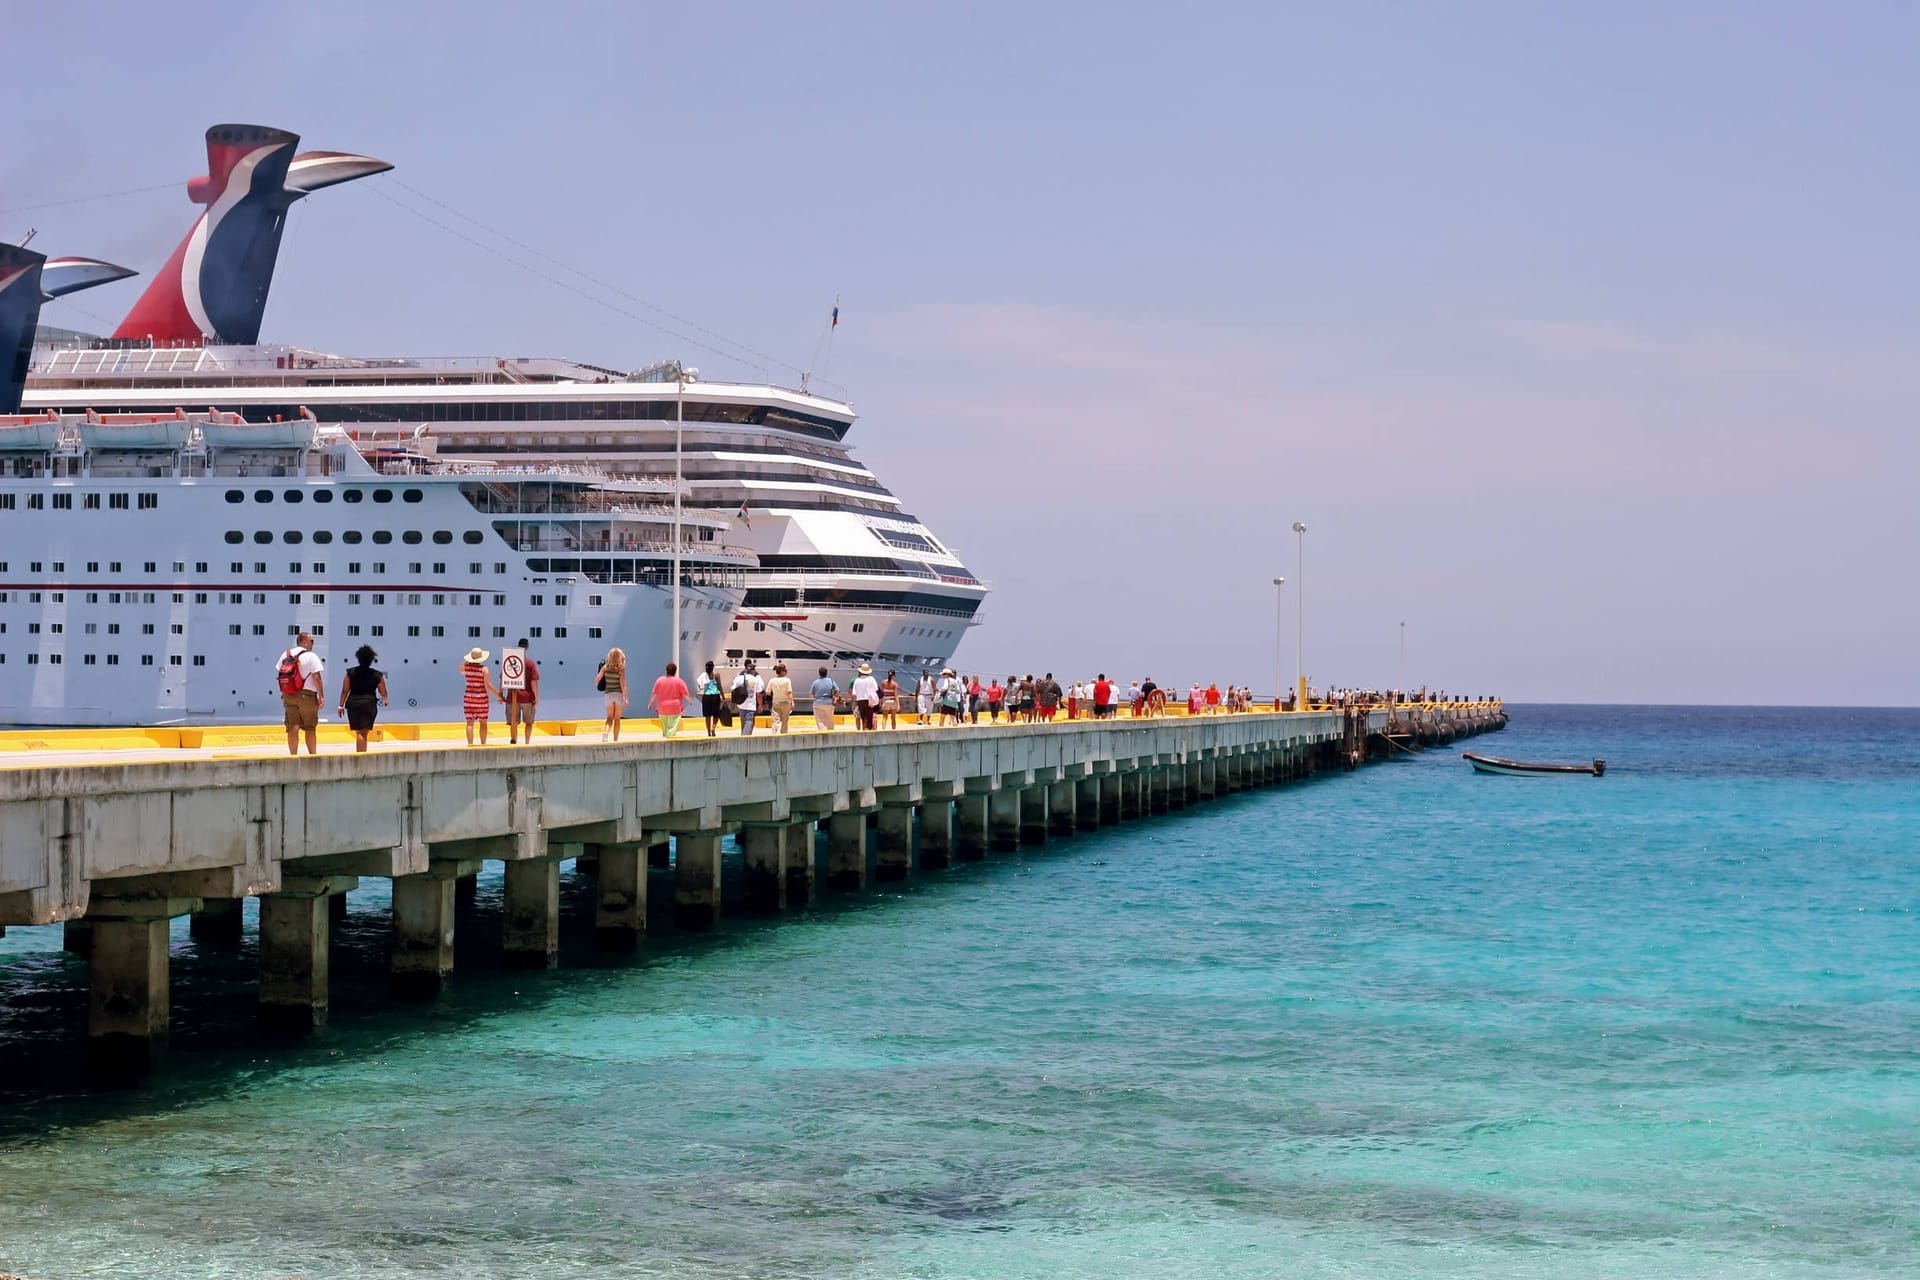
513 670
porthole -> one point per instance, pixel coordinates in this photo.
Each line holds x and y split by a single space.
352 495
441 537
234 535
292 536
263 495
383 495
293 495
411 537
411 495
382 537
234 495
473 537
323 495
351 536
263 536
323 536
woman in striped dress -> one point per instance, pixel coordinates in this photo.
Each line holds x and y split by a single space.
478 692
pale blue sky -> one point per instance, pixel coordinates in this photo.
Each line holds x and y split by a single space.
1584 338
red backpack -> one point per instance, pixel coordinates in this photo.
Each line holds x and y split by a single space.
291 681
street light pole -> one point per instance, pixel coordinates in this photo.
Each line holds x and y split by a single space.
1300 610
1400 676
681 377
1279 625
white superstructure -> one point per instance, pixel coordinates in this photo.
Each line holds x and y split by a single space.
153 566
845 573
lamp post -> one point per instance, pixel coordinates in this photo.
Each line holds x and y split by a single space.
1400 675
681 377
1300 610
1279 625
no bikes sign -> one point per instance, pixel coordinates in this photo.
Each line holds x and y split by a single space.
513 669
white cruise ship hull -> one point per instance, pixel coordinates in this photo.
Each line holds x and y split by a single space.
125 602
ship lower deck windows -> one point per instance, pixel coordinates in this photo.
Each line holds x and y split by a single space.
233 629
859 626
411 537
376 630
382 537
262 536
263 495
534 632
413 631
411 495
6 502
149 501
383 495
351 537
293 495
593 633
323 495
499 633
323 536
293 536
36 501
259 629
473 537
146 628
438 631
91 501
199 659
113 659
499 601
234 495
175 660
473 633
116 502
63 502
352 495
146 659
442 537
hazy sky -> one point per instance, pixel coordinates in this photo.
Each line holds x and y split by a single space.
1584 339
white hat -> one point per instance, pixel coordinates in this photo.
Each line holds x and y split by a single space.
865 670
476 654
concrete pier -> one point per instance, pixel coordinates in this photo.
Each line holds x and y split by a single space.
116 851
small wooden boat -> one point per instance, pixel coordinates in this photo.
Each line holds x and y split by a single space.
1522 768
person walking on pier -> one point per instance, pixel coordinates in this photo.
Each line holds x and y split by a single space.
710 699
996 698
1102 697
780 698
975 696
746 691
825 694
890 700
866 697
362 694
923 697
521 702
477 692
302 683
668 700
611 680
1047 696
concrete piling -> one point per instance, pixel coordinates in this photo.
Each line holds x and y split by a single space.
1062 807
620 904
1004 815
531 938
970 838
1109 788
696 879
764 850
1086 803
847 851
936 834
423 914
1035 819
295 941
893 855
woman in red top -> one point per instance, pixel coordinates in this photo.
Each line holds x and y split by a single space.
478 692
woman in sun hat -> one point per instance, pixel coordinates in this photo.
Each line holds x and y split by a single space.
478 692
866 696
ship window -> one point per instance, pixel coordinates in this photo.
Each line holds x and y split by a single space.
536 599
534 632
497 567
152 566
411 537
559 633
233 628
91 502
379 566
499 633
593 633
379 597
259 566
859 626
439 631
353 567
353 597
473 633
35 501
113 659
149 501
352 495
411 495
323 536
293 535
146 659
353 630
117 501
596 601
439 599
200 566
199 659
293 495
442 537
263 495
351 536
833 626
376 630
234 495
6 502
293 597
63 502
263 536
259 629
318 565
382 537
234 535
414 567
323 495
175 660
439 566
33 659
383 495
413 631
178 629
472 537
499 600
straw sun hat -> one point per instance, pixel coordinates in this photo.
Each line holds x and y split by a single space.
476 654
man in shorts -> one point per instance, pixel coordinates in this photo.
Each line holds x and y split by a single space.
523 702
302 685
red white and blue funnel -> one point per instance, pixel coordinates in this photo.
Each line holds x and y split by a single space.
214 287
26 280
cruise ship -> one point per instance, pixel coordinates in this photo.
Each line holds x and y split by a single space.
844 573
155 562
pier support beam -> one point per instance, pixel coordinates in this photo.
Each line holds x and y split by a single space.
77 936
1033 814
970 827
532 909
802 886
1086 802
218 922
936 834
296 929
1132 784
696 879
764 849
1061 807
847 851
893 860
620 900
1004 817
1209 778
1160 787
127 1012
1110 787
1187 790
423 908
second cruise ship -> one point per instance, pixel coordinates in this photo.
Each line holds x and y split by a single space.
845 573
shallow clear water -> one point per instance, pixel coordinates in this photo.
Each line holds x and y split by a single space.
1414 1022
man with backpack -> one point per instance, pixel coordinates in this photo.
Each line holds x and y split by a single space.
302 685
745 696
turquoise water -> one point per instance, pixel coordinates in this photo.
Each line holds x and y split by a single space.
1411 1023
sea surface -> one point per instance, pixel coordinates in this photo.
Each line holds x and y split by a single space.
1408 1023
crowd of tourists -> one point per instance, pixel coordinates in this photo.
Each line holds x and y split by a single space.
726 699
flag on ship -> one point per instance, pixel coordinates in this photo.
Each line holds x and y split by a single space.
836 314
741 514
